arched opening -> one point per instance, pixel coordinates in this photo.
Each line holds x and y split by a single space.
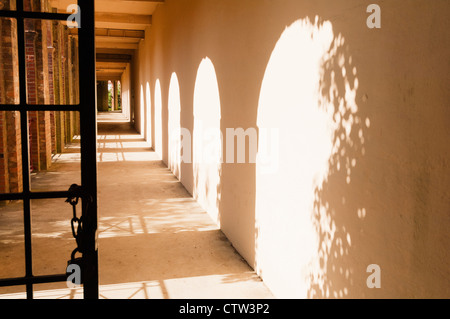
207 139
313 111
158 119
174 126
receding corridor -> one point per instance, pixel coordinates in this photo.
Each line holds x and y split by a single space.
246 149
155 241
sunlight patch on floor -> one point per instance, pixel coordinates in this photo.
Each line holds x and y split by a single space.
236 286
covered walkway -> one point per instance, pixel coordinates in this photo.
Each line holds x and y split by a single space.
155 241
246 148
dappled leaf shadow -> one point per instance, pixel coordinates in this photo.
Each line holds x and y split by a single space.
334 217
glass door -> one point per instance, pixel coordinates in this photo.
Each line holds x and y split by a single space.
48 98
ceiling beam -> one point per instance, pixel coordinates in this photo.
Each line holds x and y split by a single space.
112 57
120 33
111 65
101 51
102 73
100 39
122 21
107 71
109 77
113 45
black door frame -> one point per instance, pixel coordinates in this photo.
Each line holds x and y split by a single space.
88 129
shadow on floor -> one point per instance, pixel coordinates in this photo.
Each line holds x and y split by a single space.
155 241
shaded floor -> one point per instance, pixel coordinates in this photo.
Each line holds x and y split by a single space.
155 241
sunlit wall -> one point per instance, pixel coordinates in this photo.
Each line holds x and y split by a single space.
125 92
158 119
362 117
207 139
148 113
293 99
174 126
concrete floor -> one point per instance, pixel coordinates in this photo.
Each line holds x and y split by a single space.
155 241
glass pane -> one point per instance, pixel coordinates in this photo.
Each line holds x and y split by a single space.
11 180
51 54
9 63
12 252
8 5
55 158
55 6
52 237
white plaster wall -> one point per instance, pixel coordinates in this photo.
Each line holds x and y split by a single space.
363 119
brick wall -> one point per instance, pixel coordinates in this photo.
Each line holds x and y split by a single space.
4 171
14 151
10 146
52 76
